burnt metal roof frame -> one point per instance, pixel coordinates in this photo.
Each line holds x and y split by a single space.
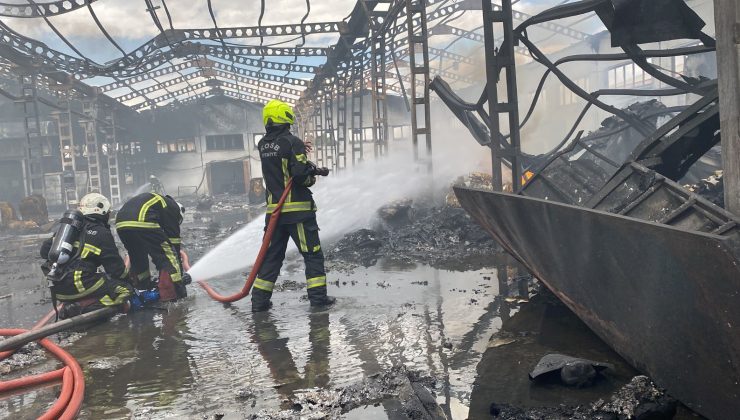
46 9
610 57
570 84
632 50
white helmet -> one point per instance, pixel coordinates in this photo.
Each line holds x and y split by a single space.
94 203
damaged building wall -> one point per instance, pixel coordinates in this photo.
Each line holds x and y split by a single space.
208 146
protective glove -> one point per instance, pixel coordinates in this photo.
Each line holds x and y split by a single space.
186 279
314 170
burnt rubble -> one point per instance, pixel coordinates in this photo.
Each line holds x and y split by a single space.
712 188
443 237
414 391
639 399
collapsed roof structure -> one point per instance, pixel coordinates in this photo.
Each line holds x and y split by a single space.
602 220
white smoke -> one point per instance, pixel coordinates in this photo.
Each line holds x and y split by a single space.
347 201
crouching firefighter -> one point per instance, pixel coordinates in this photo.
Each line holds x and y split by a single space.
82 243
149 226
283 157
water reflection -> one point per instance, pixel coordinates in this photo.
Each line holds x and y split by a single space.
145 367
274 350
198 357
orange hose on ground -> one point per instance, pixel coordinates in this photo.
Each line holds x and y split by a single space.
260 256
31 381
72 408
64 396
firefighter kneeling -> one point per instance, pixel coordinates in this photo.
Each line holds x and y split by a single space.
283 157
149 226
82 243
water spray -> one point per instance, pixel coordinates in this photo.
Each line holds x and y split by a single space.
260 256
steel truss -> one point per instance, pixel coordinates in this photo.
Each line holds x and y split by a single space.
498 59
34 165
419 48
378 36
66 142
341 138
92 149
110 151
45 9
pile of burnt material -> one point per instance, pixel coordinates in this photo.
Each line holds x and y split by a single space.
639 399
407 394
441 236
712 188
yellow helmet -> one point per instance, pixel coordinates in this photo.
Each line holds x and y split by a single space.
277 112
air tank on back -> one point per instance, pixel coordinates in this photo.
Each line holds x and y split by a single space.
62 247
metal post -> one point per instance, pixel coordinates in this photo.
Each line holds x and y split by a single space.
416 10
32 126
380 106
329 141
341 145
111 153
358 131
318 131
496 61
66 142
727 19
90 109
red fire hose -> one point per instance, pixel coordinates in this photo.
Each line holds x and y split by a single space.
69 402
260 256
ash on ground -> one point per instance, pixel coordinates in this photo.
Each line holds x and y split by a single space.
414 392
441 236
712 188
639 399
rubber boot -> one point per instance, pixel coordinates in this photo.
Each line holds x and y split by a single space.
260 300
166 287
318 298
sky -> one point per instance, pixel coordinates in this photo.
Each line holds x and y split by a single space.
130 25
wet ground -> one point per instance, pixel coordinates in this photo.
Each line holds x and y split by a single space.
198 357
404 340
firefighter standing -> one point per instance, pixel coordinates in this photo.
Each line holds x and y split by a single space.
283 156
149 225
77 283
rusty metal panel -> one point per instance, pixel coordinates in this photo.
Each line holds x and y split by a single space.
664 298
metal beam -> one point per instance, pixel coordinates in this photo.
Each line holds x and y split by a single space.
496 61
256 31
149 75
169 95
34 162
66 143
159 86
45 9
727 18
418 46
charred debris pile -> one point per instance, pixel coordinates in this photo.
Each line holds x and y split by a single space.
439 234
639 399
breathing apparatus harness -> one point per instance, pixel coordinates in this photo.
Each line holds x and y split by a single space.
71 229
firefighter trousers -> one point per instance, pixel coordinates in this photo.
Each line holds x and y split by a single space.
305 235
144 243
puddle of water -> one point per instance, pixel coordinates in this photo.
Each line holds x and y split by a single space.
200 357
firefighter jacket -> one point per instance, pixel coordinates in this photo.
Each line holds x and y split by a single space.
95 248
151 211
283 156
